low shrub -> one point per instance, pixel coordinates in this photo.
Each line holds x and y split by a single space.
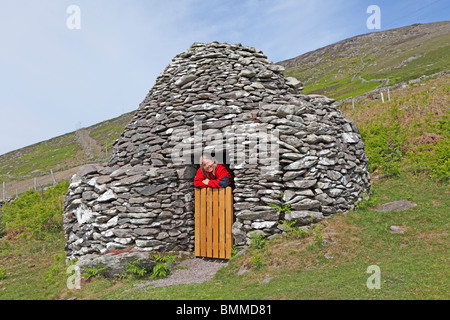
34 214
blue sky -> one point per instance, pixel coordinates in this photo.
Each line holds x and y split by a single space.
54 80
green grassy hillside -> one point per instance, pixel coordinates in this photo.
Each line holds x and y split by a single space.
92 144
408 134
360 64
329 261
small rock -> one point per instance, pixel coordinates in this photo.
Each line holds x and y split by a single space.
107 196
266 280
247 73
396 206
291 81
397 229
185 79
243 270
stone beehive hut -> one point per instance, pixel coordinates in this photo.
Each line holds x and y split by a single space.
230 100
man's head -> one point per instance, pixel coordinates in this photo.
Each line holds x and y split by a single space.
208 163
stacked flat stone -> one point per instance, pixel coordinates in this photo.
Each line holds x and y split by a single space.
144 200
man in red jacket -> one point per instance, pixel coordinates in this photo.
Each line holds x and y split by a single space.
212 175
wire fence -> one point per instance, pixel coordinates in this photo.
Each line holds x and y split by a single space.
12 188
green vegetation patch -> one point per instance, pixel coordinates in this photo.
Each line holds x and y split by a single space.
410 133
40 158
34 214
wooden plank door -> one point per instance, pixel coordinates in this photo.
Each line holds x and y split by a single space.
213 222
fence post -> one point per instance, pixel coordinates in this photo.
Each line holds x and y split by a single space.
53 176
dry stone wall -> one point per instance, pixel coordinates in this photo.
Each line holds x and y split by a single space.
229 99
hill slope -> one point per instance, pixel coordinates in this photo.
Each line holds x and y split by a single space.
360 64
61 154
348 68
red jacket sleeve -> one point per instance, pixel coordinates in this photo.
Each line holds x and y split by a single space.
198 180
221 175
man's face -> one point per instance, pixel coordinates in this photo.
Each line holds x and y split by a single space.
208 165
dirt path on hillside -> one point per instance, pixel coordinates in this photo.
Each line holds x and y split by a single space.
362 66
90 145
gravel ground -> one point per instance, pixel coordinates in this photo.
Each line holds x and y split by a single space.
195 271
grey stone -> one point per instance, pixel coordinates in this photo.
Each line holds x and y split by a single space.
122 233
305 204
334 175
291 81
288 195
263 224
335 192
305 163
312 139
116 264
396 206
107 196
84 214
293 141
162 235
304 216
129 180
324 199
350 137
270 214
185 79
247 73
304 184
290 175
286 110
86 170
397 229
146 231
148 243
89 195
151 189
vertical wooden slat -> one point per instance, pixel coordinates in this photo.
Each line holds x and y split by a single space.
203 223
229 222
222 223
213 222
215 225
209 225
197 221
